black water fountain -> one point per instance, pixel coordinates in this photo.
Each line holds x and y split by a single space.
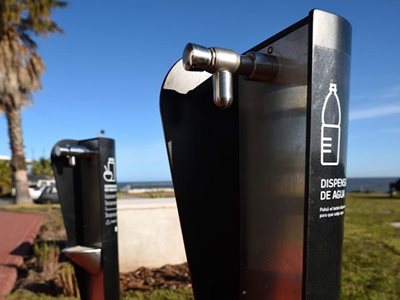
86 183
257 147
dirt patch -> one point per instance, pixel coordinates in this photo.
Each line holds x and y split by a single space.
60 280
167 277
47 271
53 228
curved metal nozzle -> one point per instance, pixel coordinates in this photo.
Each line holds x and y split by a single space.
223 89
196 58
87 258
223 63
212 60
71 151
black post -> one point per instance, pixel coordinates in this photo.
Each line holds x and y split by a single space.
260 185
86 183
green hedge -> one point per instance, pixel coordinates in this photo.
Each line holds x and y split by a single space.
5 177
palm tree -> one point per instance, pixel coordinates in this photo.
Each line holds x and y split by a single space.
20 71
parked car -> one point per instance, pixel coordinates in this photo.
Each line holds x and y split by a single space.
48 195
36 188
36 191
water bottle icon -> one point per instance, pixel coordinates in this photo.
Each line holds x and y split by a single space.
109 170
330 130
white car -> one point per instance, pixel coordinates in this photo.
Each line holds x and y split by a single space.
36 190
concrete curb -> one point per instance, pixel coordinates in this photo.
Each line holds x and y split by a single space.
149 234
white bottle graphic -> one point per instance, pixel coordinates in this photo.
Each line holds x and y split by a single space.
109 170
330 130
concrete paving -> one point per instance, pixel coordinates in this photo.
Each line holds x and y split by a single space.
149 233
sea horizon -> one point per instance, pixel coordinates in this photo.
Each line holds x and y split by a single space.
367 184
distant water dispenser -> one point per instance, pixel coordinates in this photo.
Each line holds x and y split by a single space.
86 182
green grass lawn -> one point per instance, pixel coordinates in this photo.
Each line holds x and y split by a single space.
179 294
371 252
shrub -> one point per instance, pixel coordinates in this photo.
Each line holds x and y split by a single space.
5 177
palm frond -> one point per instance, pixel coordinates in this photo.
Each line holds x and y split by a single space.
20 65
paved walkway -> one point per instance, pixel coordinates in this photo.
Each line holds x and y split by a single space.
17 233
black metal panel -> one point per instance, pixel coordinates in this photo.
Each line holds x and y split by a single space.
63 174
108 213
272 118
202 145
69 189
327 134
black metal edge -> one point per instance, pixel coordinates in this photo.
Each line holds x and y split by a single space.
307 158
281 34
110 289
308 136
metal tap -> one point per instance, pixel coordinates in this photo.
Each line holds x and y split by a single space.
223 63
72 151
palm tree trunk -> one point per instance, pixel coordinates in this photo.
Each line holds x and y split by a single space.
18 164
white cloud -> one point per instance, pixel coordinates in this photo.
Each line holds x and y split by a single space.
391 93
377 112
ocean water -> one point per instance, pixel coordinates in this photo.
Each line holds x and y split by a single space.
380 184
145 184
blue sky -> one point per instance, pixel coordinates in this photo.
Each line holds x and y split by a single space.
106 70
